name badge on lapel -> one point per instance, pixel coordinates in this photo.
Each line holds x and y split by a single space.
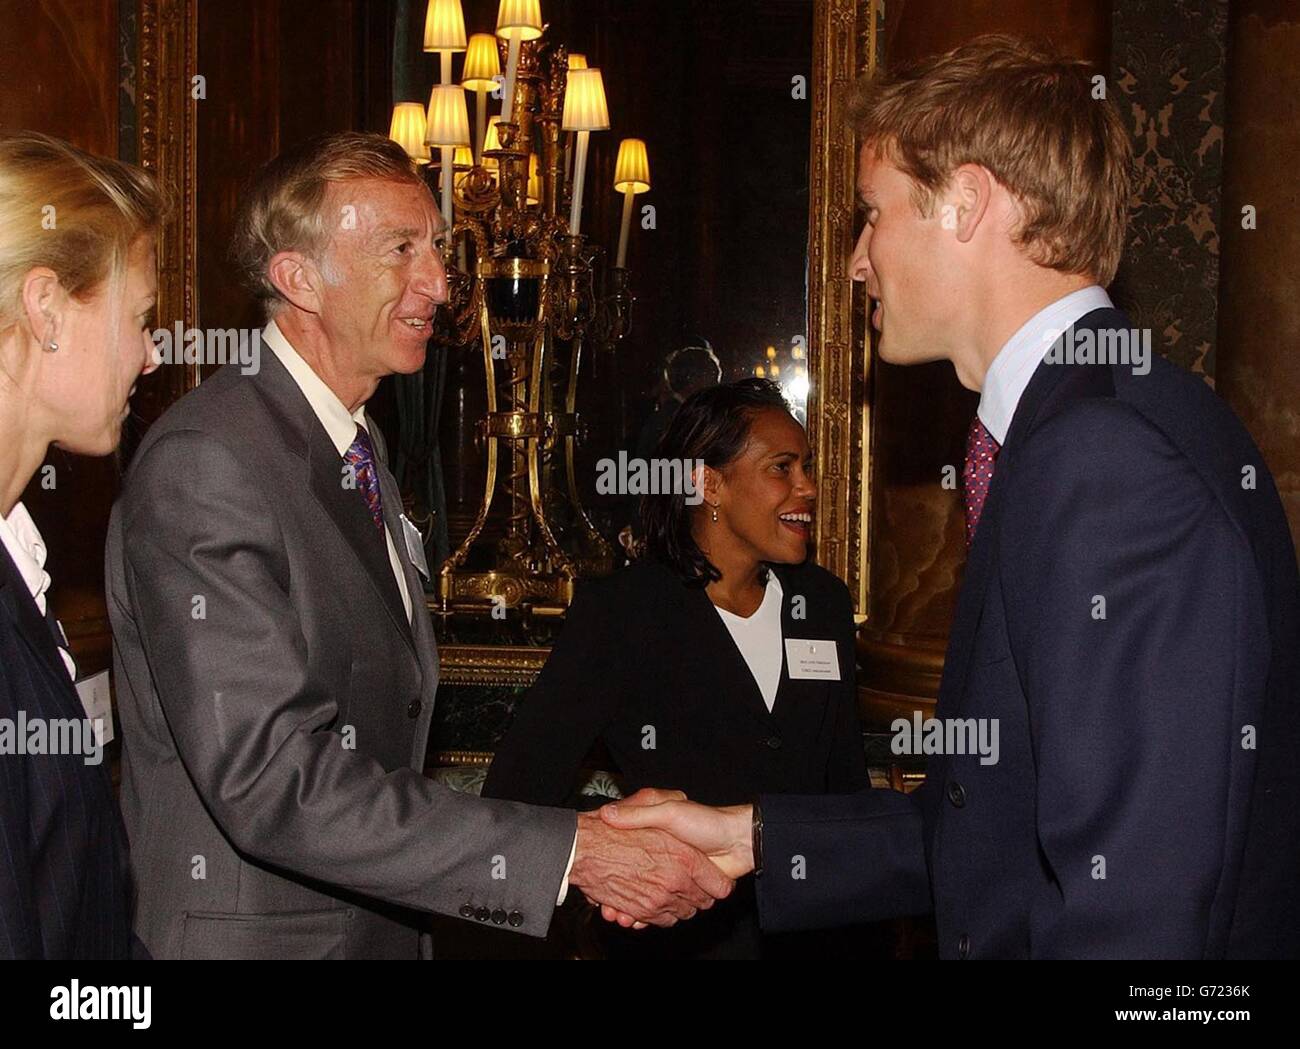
96 698
812 660
415 546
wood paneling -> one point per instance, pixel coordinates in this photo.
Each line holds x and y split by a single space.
59 75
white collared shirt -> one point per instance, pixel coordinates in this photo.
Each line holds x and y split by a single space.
758 637
27 550
340 424
1016 362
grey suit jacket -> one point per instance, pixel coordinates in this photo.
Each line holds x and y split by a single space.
275 704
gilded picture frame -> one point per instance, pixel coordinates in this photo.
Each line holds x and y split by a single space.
845 36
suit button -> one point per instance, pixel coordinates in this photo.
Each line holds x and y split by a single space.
482 914
774 742
956 794
515 919
413 709
466 911
963 946
498 917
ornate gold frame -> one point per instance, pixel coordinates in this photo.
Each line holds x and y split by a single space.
845 34
168 114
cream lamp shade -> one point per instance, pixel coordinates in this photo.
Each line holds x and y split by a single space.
491 141
577 61
584 101
482 64
519 20
632 169
464 158
444 26
408 128
448 117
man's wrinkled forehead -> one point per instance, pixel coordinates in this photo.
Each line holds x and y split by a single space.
380 209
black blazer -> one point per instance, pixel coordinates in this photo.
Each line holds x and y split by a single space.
1146 800
646 665
64 886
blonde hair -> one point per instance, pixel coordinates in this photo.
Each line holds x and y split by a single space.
68 210
283 208
1030 117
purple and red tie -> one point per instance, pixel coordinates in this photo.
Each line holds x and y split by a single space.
981 453
361 457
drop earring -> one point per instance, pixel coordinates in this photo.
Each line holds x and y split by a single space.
715 515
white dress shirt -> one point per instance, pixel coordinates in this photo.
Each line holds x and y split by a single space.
340 424
1016 362
27 550
758 637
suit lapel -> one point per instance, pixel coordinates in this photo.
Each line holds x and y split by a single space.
306 437
979 561
17 603
731 669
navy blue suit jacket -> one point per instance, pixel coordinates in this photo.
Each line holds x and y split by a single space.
1146 800
63 859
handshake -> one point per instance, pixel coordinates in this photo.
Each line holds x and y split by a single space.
656 858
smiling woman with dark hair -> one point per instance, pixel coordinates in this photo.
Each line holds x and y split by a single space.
720 665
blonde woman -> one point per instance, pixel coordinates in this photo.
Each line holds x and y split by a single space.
77 286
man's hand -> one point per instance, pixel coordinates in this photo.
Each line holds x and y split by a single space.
644 876
724 835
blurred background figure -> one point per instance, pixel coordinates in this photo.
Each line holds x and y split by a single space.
693 367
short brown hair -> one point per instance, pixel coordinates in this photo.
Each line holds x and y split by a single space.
1030 117
69 210
283 207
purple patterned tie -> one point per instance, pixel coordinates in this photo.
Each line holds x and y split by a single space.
361 457
981 453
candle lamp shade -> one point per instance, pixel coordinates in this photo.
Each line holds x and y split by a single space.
408 129
463 159
491 141
482 63
577 61
444 26
632 169
584 101
448 117
519 20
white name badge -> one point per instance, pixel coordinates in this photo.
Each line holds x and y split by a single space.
415 546
96 698
815 660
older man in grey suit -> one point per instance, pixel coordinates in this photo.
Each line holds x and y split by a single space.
275 664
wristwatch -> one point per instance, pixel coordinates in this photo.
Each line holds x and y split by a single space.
757 839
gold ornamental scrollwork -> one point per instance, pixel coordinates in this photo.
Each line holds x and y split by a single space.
844 43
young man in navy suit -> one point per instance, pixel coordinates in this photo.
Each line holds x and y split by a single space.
1129 614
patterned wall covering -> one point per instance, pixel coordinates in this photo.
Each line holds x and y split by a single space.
1167 64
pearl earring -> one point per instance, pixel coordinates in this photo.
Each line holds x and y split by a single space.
715 515
52 347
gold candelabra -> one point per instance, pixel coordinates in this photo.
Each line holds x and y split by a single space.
521 283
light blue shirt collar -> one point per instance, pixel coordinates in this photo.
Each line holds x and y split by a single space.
1017 361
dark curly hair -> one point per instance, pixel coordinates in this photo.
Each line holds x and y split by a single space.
712 425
